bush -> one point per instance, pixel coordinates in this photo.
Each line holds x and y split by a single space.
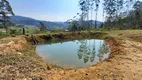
2 35
12 31
19 30
32 29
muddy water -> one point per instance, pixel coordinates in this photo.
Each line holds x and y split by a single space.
74 54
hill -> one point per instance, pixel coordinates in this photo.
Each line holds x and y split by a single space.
30 21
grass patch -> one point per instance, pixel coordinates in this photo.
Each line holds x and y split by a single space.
22 64
135 35
41 38
2 35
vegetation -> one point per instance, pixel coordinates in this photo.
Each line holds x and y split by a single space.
25 30
2 35
43 27
118 14
23 63
18 61
120 19
5 11
51 37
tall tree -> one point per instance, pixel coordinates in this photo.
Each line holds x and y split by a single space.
42 27
129 6
84 6
92 8
119 6
5 11
110 9
88 8
119 9
73 25
96 9
138 13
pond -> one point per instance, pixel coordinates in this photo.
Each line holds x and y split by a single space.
74 54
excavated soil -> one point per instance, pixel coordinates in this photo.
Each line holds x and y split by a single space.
18 61
124 62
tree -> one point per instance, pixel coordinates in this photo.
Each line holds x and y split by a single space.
138 13
84 7
42 27
24 31
96 9
73 25
110 9
96 2
129 6
92 8
119 7
5 11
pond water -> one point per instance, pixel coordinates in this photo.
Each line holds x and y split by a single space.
74 54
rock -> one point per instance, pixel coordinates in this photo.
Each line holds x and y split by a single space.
19 53
13 35
120 34
11 43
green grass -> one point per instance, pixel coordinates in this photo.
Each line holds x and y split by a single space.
12 30
2 35
28 30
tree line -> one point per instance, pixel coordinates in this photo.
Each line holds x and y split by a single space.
117 14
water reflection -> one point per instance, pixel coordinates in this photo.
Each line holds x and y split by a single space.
75 54
88 51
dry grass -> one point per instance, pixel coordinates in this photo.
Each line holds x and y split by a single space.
19 64
26 65
135 35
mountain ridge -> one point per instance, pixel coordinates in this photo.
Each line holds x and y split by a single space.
30 21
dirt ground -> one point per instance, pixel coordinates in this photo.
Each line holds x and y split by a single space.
124 62
18 61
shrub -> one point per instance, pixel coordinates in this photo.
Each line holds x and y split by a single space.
2 34
12 31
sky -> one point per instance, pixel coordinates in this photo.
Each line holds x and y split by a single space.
49 10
